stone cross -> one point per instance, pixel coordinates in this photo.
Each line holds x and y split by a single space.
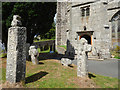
82 57
34 55
16 21
16 54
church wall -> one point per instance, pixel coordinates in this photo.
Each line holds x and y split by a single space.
113 8
97 23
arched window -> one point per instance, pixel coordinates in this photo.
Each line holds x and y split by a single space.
113 29
118 28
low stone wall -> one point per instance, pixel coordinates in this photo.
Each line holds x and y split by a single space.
42 44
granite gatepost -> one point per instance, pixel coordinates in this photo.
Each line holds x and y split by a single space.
16 54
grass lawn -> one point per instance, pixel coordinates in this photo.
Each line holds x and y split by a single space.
105 82
117 57
64 46
43 40
51 74
45 51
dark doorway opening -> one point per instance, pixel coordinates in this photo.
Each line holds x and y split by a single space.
87 37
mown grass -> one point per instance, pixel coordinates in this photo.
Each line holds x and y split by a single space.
3 78
45 51
117 57
64 46
43 40
105 82
51 74
54 75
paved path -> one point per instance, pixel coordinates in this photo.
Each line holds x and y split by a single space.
105 68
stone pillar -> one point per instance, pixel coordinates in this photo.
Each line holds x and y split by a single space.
82 57
54 47
41 48
16 55
50 47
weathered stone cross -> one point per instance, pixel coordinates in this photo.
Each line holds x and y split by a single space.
82 57
16 55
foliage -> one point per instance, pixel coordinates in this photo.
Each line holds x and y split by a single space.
36 16
116 52
3 55
51 33
117 49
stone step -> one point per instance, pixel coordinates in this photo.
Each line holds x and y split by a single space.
96 57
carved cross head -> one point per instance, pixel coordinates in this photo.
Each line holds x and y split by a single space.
85 46
16 21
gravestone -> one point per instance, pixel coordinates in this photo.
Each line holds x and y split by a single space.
16 55
82 49
34 55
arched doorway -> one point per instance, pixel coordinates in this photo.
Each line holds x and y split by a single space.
87 37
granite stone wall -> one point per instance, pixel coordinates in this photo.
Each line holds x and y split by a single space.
96 25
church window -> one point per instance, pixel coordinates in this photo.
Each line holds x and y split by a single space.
113 29
87 11
83 12
118 28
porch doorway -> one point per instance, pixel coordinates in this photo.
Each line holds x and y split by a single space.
87 37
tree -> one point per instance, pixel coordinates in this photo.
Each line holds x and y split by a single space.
37 17
51 33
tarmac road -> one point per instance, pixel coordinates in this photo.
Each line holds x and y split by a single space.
105 68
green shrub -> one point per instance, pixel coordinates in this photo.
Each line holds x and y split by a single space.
116 52
3 55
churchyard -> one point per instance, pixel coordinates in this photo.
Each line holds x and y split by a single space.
51 74
39 64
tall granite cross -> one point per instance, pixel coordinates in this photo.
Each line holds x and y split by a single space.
16 54
83 48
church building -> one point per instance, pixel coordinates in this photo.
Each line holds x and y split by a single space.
98 21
